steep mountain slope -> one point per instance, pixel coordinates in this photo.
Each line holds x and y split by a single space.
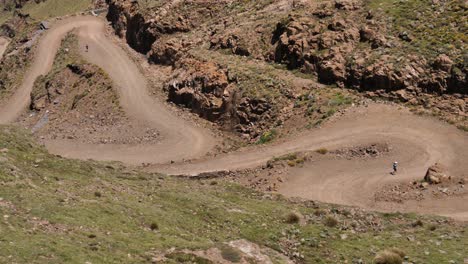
375 47
56 210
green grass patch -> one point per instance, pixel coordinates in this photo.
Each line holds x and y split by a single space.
433 28
339 99
55 8
267 137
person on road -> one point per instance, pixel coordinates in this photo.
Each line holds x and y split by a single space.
87 47
395 167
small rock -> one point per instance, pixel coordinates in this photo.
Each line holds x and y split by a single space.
405 36
424 185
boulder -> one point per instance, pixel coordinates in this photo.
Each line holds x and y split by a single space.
436 174
201 86
166 52
443 62
233 42
347 4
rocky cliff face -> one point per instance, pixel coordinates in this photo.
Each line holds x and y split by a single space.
352 51
142 28
204 87
375 48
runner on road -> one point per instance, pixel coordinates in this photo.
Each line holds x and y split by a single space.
395 167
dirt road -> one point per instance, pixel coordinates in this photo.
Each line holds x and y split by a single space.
3 45
182 140
417 141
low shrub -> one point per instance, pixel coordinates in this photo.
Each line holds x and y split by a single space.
322 151
292 218
389 256
330 221
267 137
154 226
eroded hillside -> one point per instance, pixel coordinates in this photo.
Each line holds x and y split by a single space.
375 47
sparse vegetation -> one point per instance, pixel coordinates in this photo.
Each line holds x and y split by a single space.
390 256
418 223
292 218
55 8
292 159
182 258
340 99
42 10
433 30
188 214
463 127
267 137
322 151
330 221
154 226
230 254
60 210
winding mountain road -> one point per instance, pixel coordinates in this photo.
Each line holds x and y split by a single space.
417 142
182 140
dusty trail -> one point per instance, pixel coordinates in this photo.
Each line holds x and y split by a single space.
3 45
182 140
419 141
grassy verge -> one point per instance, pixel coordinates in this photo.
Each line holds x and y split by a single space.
56 210
55 8
434 28
47 9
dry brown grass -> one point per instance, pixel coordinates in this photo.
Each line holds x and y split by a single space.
292 218
390 256
322 151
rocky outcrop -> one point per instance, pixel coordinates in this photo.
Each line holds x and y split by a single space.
342 42
325 49
51 90
436 174
204 88
167 52
16 24
333 49
232 42
254 115
142 30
